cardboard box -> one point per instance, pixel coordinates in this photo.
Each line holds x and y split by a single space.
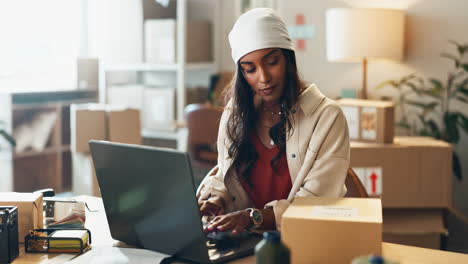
123 125
369 121
98 122
103 122
159 108
414 227
413 172
86 124
161 41
316 228
30 210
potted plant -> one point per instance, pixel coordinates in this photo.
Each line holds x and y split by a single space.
427 105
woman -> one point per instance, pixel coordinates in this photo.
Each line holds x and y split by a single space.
278 139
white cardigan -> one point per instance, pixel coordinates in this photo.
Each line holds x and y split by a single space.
317 155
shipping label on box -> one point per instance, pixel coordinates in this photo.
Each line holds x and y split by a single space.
330 225
371 178
30 210
369 121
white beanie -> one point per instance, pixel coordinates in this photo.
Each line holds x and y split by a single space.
259 28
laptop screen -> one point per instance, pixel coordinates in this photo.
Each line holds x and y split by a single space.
149 198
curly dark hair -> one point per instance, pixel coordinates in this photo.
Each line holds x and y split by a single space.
243 118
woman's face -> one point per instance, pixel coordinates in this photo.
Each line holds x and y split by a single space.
264 70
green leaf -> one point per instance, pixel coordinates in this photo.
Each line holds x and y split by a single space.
465 66
426 107
435 93
454 42
434 128
402 124
8 137
450 121
451 57
463 122
414 88
456 166
409 78
463 99
462 49
437 84
423 121
417 104
391 83
463 90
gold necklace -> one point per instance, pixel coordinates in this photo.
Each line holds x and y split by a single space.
269 110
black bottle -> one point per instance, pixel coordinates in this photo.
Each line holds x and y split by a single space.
271 250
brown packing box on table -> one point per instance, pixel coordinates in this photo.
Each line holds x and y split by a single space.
30 210
414 227
415 172
332 230
98 122
86 124
103 122
369 121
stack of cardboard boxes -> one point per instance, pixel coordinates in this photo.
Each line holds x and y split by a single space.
412 175
98 122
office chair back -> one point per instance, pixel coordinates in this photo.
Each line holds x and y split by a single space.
203 123
354 185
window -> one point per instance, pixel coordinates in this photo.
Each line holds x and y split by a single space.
39 44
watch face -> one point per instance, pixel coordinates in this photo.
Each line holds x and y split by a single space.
257 217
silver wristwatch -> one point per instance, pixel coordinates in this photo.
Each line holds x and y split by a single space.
256 216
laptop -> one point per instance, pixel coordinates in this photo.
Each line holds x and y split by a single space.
150 202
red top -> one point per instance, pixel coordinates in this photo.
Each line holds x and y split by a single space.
267 184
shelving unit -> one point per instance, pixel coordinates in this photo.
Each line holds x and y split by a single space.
180 68
31 170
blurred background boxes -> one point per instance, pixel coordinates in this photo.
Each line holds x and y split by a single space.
161 41
158 111
98 122
103 122
415 227
415 172
156 103
316 228
30 210
369 121
413 176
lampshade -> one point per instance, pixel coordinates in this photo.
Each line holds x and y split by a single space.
362 34
354 34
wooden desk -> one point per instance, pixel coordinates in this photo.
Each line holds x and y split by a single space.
97 223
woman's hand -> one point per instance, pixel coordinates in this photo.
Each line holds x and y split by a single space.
212 207
237 221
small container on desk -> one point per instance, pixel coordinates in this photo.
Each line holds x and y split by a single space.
70 240
8 234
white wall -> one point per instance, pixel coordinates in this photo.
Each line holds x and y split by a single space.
430 23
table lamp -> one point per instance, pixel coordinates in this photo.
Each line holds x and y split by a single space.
364 34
